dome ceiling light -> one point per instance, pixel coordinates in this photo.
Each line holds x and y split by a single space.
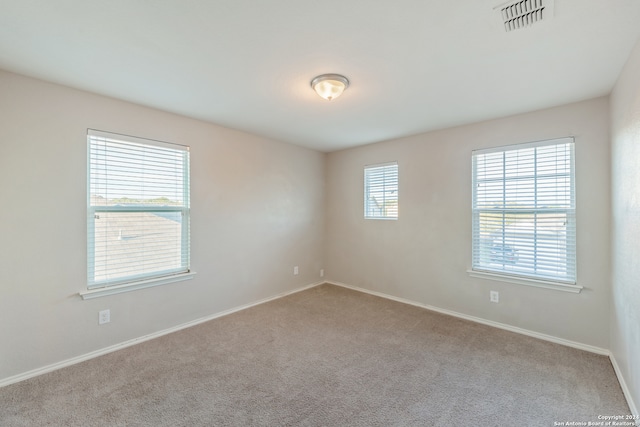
330 86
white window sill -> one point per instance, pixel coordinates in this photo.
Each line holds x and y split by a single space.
382 218
564 287
128 287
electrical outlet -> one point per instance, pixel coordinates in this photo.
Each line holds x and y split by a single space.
295 270
494 296
104 316
322 272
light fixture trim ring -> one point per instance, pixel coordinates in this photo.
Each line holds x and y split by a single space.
330 76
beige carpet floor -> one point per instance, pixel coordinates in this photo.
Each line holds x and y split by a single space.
327 356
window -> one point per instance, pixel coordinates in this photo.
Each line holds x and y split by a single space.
381 191
138 210
524 211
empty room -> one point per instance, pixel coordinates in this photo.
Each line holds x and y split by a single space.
304 213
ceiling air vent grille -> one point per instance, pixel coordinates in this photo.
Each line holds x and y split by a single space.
523 13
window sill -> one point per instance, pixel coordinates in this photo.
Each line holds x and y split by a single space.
382 218
564 287
128 287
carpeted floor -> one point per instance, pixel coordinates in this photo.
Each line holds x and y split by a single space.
327 356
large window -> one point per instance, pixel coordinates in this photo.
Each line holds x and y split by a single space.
138 209
381 191
524 211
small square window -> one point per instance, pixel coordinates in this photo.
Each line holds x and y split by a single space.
381 191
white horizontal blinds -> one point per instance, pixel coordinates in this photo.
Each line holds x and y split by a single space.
381 191
524 210
138 209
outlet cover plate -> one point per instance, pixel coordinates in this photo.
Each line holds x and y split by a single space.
104 316
494 296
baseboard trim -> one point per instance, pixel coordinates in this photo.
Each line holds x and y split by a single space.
624 387
78 359
551 338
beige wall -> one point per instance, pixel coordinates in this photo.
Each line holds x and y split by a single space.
424 255
257 210
625 307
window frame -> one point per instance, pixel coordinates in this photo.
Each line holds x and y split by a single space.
96 288
481 269
395 176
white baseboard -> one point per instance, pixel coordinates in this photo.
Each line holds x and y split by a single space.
624 387
499 325
129 343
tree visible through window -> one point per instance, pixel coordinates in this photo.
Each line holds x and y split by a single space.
381 191
138 209
524 210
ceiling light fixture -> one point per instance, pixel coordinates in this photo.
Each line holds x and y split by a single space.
330 86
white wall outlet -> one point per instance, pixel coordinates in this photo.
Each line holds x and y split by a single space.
494 296
295 270
322 272
104 316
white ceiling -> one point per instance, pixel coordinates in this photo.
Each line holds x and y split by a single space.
414 65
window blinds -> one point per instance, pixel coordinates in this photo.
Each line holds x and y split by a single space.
138 209
524 210
381 191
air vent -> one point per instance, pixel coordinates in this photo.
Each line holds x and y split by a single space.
520 14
